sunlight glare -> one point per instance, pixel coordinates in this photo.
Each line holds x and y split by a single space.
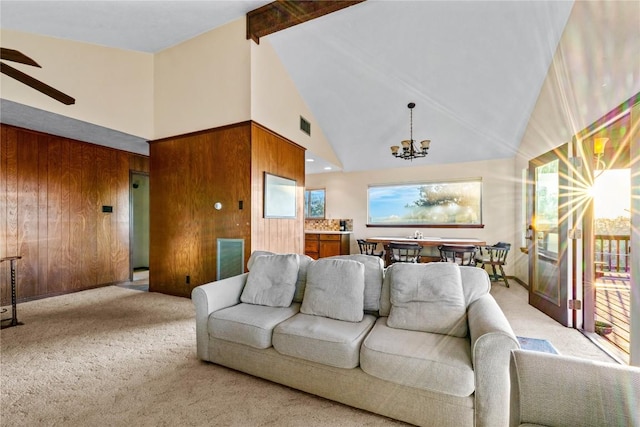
611 192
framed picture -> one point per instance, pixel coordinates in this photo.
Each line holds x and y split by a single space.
279 197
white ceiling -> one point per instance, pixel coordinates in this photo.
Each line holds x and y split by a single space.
473 68
145 26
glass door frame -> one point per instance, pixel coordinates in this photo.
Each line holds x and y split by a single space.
585 148
558 308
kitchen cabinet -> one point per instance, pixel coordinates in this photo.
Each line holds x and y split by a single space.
326 244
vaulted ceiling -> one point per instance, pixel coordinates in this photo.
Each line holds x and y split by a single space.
473 69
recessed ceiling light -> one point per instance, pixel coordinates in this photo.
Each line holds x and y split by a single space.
327 168
310 160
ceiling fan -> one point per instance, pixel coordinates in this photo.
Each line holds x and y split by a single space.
17 56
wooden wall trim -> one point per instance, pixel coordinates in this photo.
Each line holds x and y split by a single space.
276 134
49 135
227 127
201 132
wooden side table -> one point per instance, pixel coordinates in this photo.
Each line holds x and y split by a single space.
7 323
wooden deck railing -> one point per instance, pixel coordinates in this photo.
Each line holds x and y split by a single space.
612 252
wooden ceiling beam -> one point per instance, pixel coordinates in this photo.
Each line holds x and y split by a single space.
281 14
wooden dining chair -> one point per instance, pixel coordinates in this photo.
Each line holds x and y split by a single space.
369 248
461 255
496 257
403 252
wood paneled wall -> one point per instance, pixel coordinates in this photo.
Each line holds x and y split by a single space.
274 154
189 174
52 190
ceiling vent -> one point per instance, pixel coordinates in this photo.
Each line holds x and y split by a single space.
305 126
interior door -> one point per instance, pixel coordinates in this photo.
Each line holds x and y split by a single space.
548 234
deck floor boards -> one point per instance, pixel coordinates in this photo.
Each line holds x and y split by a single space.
613 297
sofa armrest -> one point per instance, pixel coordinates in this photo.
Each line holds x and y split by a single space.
551 389
492 340
212 297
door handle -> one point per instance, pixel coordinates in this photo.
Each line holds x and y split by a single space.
529 235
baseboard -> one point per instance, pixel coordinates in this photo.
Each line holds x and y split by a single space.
520 282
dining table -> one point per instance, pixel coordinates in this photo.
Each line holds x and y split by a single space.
429 241
429 244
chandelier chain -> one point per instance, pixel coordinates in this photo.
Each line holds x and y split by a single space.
411 126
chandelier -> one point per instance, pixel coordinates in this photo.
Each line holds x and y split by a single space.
409 149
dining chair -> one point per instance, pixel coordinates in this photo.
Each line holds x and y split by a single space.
403 252
369 248
461 255
496 257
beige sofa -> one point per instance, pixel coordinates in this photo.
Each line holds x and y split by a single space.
426 343
553 390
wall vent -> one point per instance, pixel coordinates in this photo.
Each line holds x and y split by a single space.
230 258
305 126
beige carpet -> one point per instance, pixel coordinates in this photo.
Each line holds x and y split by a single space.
118 357
527 321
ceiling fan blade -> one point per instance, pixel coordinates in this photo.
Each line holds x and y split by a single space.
36 84
17 56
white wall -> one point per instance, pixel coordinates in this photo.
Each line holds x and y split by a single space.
203 83
595 69
582 84
277 105
112 87
346 197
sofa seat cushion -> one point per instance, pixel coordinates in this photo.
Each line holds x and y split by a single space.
249 324
323 340
423 360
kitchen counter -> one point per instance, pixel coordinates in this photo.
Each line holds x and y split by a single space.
326 232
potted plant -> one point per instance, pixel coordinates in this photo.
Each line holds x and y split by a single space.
603 328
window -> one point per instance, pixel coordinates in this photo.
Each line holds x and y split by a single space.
314 203
436 204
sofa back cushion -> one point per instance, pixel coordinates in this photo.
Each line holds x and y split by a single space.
475 284
255 255
335 289
271 281
428 298
302 271
305 261
373 275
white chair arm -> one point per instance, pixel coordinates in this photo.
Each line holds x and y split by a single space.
212 297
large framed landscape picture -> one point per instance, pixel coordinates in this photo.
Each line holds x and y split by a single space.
279 197
452 203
